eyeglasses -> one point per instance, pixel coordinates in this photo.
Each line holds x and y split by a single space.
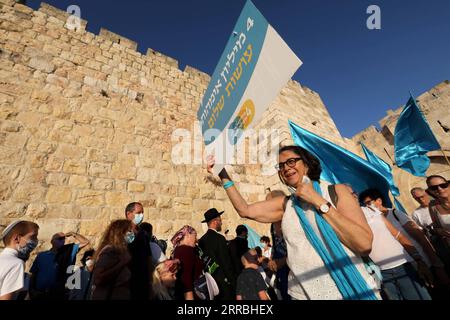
442 186
290 163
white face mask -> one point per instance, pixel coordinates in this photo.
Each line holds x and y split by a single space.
138 218
89 263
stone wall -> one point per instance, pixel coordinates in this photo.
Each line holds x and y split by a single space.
86 127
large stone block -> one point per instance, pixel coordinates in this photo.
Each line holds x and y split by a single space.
43 64
90 198
134 186
103 184
29 192
117 199
80 182
124 168
164 202
36 210
58 194
73 166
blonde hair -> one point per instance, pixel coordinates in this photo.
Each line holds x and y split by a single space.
159 290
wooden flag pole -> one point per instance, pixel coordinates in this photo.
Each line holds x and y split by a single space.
445 156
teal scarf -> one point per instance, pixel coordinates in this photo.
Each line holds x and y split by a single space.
348 280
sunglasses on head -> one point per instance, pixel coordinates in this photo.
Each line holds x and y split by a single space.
437 186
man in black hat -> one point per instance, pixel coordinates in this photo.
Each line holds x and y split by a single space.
214 245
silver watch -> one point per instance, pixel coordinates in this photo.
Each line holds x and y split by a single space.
325 208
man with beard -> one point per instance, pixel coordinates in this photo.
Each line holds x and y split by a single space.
214 245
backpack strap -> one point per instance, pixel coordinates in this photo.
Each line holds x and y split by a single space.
434 215
333 194
395 216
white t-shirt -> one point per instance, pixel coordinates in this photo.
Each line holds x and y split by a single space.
157 254
267 253
422 217
12 273
387 252
403 219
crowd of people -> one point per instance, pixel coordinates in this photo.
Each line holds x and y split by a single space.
326 242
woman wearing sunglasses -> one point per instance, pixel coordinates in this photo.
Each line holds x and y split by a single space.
438 188
325 239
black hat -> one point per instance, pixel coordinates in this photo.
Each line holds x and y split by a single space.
211 214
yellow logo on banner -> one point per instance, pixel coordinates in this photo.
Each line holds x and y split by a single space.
242 120
246 114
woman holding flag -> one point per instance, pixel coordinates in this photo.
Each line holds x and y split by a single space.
324 228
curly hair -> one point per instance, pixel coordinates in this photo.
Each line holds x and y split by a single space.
373 194
311 161
115 236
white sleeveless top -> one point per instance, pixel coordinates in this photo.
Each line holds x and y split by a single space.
387 252
445 221
309 279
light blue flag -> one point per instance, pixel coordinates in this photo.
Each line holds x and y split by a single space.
382 167
413 138
340 165
253 237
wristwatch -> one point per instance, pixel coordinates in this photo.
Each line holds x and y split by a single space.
325 208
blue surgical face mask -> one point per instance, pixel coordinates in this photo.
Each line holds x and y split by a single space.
263 245
129 237
138 218
24 252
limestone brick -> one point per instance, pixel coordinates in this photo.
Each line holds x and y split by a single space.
86 124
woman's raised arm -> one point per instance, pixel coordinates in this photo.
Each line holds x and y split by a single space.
267 211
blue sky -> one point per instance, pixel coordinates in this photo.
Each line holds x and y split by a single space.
359 73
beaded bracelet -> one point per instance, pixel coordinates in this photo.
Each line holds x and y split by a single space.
228 185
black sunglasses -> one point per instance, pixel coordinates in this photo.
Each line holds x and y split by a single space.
442 186
290 163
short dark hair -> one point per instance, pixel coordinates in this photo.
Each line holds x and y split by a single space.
258 251
131 206
251 256
265 239
311 161
373 194
241 229
435 176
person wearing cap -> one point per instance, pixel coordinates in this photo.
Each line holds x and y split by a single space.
214 245
238 246
20 239
141 265
49 269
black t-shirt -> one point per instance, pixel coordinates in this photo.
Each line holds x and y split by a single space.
249 283
141 254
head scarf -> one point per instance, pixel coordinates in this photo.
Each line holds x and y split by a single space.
181 234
